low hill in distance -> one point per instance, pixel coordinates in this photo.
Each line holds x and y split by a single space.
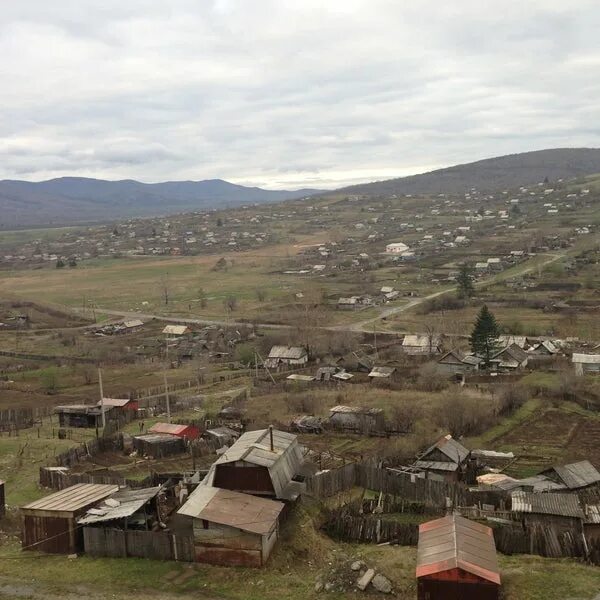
78 199
491 174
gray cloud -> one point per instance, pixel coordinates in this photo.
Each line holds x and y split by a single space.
281 93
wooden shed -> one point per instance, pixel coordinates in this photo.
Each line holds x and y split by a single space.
189 432
81 415
264 462
156 445
456 560
50 524
231 528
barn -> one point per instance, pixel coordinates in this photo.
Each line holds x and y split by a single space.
456 560
50 524
264 462
189 432
230 528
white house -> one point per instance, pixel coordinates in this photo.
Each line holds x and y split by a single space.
396 248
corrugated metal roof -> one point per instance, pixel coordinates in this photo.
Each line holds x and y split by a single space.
592 514
454 542
514 352
73 498
434 465
577 475
118 402
120 505
421 341
287 352
300 377
565 505
243 511
254 447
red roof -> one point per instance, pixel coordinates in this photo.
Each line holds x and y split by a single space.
457 543
189 431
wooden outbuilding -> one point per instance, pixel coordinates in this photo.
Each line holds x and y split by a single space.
231 528
158 445
50 524
189 432
81 415
456 560
446 459
266 462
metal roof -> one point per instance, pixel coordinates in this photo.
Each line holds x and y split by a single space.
576 475
454 450
592 514
300 377
73 498
133 323
435 465
587 359
454 542
157 438
514 352
565 505
254 447
118 402
287 352
169 428
225 507
119 506
343 376
421 341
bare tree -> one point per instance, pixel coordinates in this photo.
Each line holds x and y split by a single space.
164 284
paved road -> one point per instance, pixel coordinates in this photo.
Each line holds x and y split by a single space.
366 325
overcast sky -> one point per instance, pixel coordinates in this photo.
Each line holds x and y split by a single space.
287 94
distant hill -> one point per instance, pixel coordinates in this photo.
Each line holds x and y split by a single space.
79 199
491 174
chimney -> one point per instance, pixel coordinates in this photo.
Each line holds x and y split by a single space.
271 438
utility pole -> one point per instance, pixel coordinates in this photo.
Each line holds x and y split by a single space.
375 338
101 398
167 398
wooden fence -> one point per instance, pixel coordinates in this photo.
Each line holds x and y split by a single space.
59 480
119 543
432 493
92 447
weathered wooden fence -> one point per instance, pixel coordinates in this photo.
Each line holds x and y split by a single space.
59 480
119 543
92 447
430 492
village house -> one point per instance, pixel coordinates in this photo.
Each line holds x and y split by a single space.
456 362
286 356
510 358
231 528
446 459
396 248
176 330
357 418
50 524
586 364
266 462
545 348
349 303
456 559
421 344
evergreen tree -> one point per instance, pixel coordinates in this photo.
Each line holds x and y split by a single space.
484 337
465 281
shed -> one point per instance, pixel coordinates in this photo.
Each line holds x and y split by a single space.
224 435
446 457
357 418
456 560
81 415
189 432
381 373
396 248
50 524
231 528
286 355
586 364
158 445
119 404
264 462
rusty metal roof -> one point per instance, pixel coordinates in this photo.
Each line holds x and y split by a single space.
553 503
225 507
169 428
73 498
454 542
